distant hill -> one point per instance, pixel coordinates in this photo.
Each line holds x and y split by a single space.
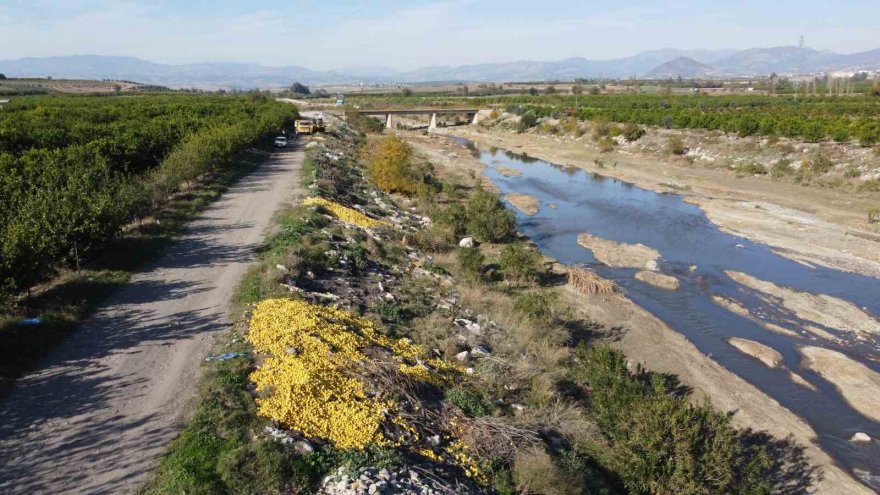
684 67
656 63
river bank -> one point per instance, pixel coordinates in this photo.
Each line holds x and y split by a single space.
821 226
646 339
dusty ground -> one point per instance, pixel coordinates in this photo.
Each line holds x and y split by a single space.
858 384
98 413
825 226
644 338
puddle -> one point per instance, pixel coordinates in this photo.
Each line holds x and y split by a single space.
697 253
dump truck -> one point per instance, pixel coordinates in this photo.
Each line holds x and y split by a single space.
309 126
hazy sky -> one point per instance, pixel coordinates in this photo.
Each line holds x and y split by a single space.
406 34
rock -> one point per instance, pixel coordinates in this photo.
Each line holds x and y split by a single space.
466 242
469 371
480 351
413 475
282 268
388 296
384 474
860 437
303 447
462 356
434 440
473 328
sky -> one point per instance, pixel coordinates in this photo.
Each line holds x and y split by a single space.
339 34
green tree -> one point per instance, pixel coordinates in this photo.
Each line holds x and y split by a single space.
488 219
300 89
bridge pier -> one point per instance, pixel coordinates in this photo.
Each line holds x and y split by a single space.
433 124
388 123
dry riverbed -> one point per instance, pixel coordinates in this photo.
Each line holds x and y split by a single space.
644 338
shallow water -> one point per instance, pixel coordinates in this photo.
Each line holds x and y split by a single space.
681 232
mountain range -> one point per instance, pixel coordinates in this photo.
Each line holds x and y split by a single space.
659 64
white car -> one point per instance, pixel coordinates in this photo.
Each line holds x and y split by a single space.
280 142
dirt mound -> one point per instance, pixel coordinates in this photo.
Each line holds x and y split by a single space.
858 384
620 255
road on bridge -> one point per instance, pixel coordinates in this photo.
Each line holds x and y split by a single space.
99 412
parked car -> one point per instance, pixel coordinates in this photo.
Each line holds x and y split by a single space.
280 142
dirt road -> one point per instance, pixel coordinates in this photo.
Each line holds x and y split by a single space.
99 412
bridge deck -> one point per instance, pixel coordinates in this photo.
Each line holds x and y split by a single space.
416 111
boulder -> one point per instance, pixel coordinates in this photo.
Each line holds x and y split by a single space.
466 242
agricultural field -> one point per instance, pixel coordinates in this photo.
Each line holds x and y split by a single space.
90 187
810 118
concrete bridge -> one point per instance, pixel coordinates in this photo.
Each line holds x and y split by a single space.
471 113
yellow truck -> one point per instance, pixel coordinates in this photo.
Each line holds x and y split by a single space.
309 126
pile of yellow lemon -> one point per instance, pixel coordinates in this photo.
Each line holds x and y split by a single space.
344 213
309 379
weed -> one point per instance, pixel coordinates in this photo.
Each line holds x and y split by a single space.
780 168
633 132
471 260
605 144
753 168
536 307
675 146
471 402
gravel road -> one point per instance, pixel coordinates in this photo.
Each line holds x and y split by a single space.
98 413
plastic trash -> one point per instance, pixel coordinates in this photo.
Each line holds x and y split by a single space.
227 355
31 322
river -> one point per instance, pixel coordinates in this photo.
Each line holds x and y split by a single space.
698 254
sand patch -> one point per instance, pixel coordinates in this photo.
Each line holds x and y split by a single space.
620 255
667 282
508 172
822 309
524 203
731 305
780 330
858 384
766 354
798 379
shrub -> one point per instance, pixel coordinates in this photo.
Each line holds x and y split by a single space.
471 260
520 263
527 121
487 219
753 168
874 215
780 168
389 164
633 132
675 146
605 144
813 132
659 441
818 164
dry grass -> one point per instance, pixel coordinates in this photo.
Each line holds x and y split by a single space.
587 282
535 472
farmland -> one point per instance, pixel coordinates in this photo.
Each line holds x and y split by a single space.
74 171
811 118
